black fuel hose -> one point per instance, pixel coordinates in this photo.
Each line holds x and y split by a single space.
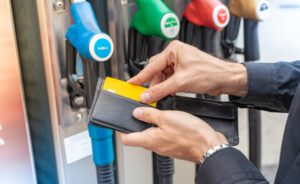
252 53
163 166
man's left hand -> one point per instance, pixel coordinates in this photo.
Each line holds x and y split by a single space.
178 134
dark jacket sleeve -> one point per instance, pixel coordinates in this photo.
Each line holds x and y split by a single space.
229 166
271 86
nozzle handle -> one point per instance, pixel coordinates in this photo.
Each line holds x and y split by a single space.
249 9
154 18
208 13
86 36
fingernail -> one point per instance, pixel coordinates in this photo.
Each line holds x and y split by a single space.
146 97
138 112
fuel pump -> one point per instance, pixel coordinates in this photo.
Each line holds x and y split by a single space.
152 26
252 12
94 47
202 23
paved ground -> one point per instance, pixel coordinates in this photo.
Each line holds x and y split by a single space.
279 41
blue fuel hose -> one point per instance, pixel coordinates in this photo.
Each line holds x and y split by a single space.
93 45
103 153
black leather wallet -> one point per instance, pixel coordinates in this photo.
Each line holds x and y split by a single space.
113 111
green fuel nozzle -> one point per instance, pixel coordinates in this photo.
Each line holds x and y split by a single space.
154 18
151 27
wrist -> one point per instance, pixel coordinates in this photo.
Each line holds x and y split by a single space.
236 79
212 151
208 143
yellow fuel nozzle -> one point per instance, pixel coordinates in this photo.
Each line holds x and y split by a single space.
258 10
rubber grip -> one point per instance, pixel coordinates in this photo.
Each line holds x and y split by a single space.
105 174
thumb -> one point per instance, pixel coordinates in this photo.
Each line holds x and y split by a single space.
159 91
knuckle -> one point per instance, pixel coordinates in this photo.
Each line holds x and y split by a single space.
138 79
172 49
149 114
160 150
150 69
147 144
156 92
171 57
161 117
175 43
146 113
152 59
179 81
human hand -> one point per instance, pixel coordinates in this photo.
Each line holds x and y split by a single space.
184 68
178 134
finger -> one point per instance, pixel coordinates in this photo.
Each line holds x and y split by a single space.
133 139
159 91
123 134
139 139
148 115
156 80
157 64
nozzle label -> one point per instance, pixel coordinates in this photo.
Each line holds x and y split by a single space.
221 16
170 25
263 10
101 47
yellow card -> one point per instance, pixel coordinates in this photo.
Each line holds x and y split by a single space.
124 89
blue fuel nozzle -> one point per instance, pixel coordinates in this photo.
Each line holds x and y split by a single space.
103 151
86 36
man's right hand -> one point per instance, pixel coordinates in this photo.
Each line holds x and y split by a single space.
184 68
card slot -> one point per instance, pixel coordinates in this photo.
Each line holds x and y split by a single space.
206 108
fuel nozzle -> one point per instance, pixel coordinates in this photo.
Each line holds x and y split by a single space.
208 13
152 26
252 11
85 34
154 18
257 10
201 25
